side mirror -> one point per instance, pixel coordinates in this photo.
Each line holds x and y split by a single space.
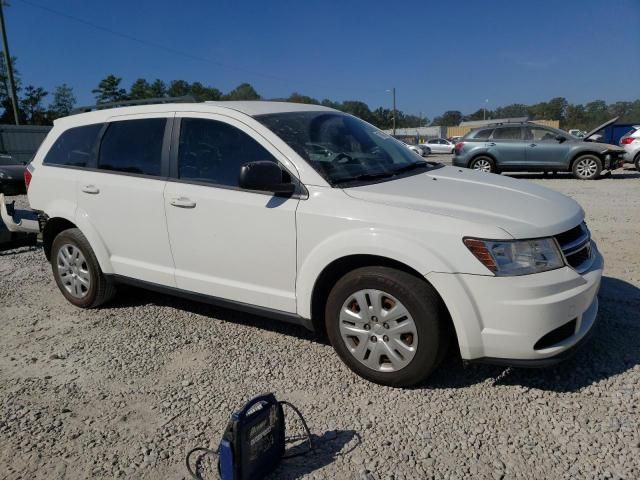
266 176
561 138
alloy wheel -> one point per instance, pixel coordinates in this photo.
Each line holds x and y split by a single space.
587 167
378 330
482 165
73 271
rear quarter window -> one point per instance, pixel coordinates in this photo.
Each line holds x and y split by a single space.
482 134
74 147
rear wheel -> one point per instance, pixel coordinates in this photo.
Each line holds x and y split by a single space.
587 167
637 162
386 325
483 164
77 272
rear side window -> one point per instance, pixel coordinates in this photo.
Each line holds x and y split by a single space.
74 147
507 133
133 146
483 134
214 152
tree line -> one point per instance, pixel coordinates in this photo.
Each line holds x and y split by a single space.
33 111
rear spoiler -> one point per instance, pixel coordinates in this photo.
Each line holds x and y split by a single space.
25 221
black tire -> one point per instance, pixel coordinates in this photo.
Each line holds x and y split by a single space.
636 162
420 300
483 160
427 152
587 167
100 289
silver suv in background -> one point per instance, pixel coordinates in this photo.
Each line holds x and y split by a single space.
527 146
631 144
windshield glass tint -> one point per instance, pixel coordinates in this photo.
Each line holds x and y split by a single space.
341 148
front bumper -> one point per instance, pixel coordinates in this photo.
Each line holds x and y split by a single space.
505 319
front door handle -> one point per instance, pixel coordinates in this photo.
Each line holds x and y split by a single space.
532 145
491 144
183 202
91 189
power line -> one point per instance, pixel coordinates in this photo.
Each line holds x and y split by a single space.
148 43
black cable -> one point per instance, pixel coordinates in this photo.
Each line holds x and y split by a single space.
306 429
195 475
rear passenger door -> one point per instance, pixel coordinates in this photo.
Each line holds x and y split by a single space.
121 196
507 147
228 242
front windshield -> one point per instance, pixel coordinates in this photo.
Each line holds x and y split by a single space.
342 148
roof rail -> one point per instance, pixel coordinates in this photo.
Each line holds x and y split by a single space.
130 103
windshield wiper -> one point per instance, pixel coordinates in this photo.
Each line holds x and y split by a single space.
411 166
364 177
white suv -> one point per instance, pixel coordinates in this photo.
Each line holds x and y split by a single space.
309 215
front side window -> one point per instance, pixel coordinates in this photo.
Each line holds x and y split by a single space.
133 146
507 133
74 147
214 152
343 149
536 134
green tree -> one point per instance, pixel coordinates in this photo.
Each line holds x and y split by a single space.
243 91
450 118
140 89
200 92
63 102
158 88
576 117
596 113
5 99
299 98
178 88
31 105
109 90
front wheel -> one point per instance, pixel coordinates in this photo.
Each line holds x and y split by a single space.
77 272
587 167
483 164
386 325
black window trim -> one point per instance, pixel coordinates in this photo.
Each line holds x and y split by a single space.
92 164
300 193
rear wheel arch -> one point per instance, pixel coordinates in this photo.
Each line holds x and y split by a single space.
52 229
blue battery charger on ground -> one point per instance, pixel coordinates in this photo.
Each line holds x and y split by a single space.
253 443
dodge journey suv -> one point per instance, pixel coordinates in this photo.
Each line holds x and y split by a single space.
309 215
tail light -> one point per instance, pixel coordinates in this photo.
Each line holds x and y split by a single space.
28 175
459 146
627 141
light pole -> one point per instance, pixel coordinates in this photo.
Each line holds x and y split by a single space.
393 92
7 61
484 112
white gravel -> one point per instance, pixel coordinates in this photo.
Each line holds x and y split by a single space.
126 390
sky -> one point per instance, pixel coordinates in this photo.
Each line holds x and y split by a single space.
439 55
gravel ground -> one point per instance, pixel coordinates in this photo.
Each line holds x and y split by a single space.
126 390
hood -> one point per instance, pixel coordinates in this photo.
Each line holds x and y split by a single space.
13 171
521 208
600 127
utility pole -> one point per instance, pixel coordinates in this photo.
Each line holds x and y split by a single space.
7 62
394 110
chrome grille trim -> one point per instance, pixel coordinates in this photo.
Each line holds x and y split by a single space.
572 250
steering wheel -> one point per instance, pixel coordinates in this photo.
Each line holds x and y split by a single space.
342 158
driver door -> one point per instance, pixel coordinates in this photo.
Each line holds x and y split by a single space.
543 150
228 242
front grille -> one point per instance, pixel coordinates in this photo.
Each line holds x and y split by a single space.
576 247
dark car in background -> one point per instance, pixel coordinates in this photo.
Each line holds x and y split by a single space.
527 146
11 176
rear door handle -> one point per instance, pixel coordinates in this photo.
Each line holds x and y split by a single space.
183 202
532 145
491 144
91 189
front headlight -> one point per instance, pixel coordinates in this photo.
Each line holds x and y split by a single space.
516 257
